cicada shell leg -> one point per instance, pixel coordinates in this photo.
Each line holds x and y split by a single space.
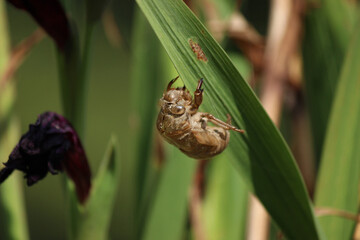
226 125
171 83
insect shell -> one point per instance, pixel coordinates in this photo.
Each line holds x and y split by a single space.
180 123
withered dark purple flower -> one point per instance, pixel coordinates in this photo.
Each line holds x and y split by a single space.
50 15
50 145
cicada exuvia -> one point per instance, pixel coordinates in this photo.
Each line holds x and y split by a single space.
180 123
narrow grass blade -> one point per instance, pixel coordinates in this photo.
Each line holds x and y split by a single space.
145 92
12 204
95 222
261 155
338 184
4 43
341 16
167 217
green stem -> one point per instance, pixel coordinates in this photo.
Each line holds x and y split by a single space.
74 82
70 80
87 42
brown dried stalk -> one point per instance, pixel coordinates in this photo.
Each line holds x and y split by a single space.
246 37
301 144
285 31
357 232
327 211
249 41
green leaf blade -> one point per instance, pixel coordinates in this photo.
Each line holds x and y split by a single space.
260 155
339 176
95 220
12 203
167 216
325 42
226 201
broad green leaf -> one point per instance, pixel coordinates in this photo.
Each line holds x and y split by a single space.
225 203
260 155
167 217
341 16
97 213
325 41
338 184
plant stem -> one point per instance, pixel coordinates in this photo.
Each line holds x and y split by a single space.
73 80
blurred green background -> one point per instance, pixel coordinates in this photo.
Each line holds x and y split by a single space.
324 31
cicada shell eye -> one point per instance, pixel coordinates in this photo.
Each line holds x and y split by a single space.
177 109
